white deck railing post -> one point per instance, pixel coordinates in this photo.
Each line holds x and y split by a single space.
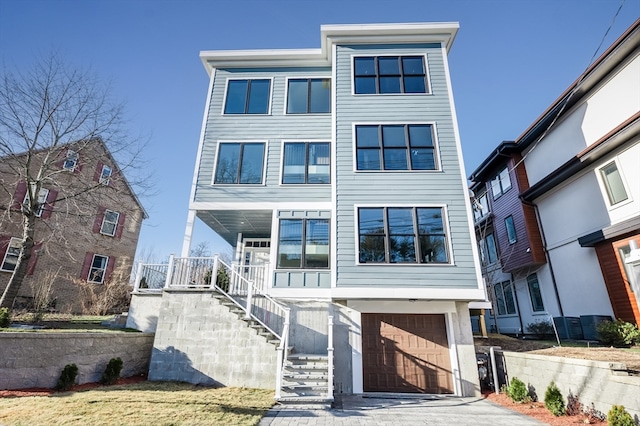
282 353
167 283
136 283
330 358
249 299
214 272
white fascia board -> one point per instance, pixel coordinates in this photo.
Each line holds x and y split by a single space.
208 205
452 294
264 58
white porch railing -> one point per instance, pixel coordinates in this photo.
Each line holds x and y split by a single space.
330 358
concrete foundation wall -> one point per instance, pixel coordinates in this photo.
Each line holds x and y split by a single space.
200 341
36 359
600 383
143 311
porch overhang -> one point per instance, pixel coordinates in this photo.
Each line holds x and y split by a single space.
229 223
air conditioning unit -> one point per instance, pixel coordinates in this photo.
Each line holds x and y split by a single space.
590 325
569 328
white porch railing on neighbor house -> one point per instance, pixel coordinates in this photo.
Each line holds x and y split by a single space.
330 358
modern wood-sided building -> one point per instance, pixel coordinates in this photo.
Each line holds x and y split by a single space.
558 210
87 225
336 174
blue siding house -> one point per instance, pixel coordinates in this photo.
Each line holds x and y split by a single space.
336 174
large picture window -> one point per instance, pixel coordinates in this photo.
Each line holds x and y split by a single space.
395 147
309 96
239 163
247 97
303 243
505 300
306 162
402 235
389 74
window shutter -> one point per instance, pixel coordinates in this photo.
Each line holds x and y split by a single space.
97 223
111 263
84 275
4 244
120 226
18 196
35 253
98 172
51 200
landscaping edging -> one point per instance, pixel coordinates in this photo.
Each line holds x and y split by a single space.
602 384
35 360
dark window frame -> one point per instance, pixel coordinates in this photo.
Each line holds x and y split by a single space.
613 183
508 307
307 147
512 235
410 148
499 183
537 303
304 260
378 75
310 95
238 177
247 97
421 255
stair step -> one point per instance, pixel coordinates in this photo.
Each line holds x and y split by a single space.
313 402
305 376
310 357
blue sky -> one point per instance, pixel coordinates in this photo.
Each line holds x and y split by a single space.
510 60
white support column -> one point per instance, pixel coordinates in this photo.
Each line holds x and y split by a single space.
188 234
239 246
136 284
167 283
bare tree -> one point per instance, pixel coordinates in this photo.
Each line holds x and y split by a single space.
53 120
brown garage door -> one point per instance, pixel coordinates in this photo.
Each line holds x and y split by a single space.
405 353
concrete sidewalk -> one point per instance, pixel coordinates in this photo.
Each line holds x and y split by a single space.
399 411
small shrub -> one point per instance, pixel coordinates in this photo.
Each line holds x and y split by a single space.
618 416
540 328
574 406
517 390
618 333
5 318
68 377
112 371
553 400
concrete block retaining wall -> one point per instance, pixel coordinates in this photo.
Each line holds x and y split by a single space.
36 359
600 383
143 311
200 341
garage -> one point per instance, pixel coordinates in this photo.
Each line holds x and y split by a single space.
406 353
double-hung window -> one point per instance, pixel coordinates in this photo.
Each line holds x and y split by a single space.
98 268
402 235
71 161
306 162
303 243
105 175
395 147
505 300
613 183
109 223
501 183
481 207
248 96
42 201
309 96
239 163
11 255
389 74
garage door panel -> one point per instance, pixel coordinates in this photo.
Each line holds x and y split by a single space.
405 353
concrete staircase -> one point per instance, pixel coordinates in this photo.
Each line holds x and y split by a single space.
241 314
305 380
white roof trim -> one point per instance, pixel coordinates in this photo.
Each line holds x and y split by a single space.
435 32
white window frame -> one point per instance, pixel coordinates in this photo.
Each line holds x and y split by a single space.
72 156
445 224
105 179
42 200
305 77
264 162
436 145
106 222
15 243
427 73
604 184
104 271
269 105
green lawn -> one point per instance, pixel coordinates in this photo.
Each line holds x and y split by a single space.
146 403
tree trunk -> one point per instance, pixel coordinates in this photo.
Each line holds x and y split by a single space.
15 282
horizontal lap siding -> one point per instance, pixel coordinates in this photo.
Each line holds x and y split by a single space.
273 129
407 188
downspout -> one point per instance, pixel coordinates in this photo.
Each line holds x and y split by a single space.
546 253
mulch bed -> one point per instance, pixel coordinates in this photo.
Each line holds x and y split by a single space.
48 392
